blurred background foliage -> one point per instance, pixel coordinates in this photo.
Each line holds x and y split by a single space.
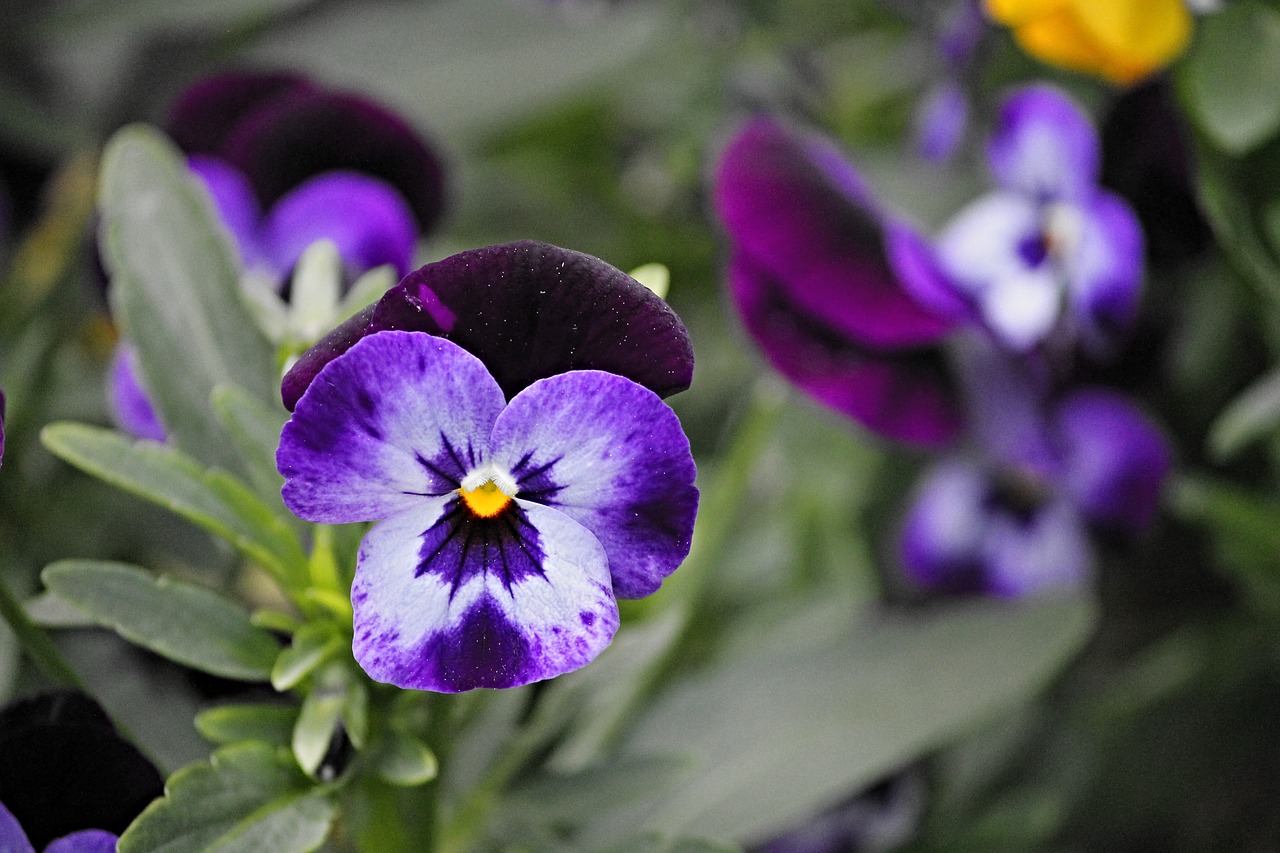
1140 717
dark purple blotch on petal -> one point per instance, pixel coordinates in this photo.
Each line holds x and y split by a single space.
528 310
461 546
484 650
63 768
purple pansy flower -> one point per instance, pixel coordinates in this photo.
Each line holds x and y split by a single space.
1048 250
506 529
1013 518
942 115
815 272
68 782
527 310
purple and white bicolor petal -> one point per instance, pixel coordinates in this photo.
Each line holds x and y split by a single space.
235 202
1044 146
941 543
85 841
1104 272
503 531
611 455
12 838
1043 550
1116 460
906 395
402 418
446 602
799 214
365 217
527 310
131 407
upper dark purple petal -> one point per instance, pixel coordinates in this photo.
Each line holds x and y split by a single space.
907 395
63 768
12 838
302 132
206 113
85 841
528 311
1116 460
804 218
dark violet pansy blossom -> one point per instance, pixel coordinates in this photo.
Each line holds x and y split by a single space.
68 782
1014 517
813 271
528 311
1048 250
506 529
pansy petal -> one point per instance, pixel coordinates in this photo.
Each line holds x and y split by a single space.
85 841
803 216
131 407
918 267
528 310
1022 309
12 838
236 204
400 415
207 111
1116 459
366 218
906 395
939 122
448 603
285 140
1104 273
994 237
611 455
941 540
1045 551
1044 145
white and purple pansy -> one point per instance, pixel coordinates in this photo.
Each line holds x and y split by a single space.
1048 251
507 530
1014 517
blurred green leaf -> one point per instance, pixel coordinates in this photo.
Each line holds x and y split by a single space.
313 644
1252 415
188 624
1232 74
774 733
254 427
175 288
212 499
249 798
318 719
465 66
271 724
405 761
654 843
151 15
1246 530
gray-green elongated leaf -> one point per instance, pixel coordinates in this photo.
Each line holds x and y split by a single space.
1232 74
175 288
405 761
249 798
191 625
1250 416
254 427
655 843
212 499
272 724
772 735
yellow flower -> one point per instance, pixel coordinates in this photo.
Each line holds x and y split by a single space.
1120 40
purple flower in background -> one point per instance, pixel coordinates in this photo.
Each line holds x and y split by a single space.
130 407
1013 518
527 310
816 272
289 162
506 530
1048 251
942 115
68 782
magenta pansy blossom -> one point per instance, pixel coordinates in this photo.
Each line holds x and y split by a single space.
506 529
1048 252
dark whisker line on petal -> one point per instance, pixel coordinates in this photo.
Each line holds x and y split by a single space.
511 521
537 471
434 469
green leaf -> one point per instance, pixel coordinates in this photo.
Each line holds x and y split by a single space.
801 721
249 798
254 428
405 761
271 724
321 712
175 288
212 499
656 843
1232 74
313 644
1253 415
1246 528
189 624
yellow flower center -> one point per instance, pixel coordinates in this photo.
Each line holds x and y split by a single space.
486 500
